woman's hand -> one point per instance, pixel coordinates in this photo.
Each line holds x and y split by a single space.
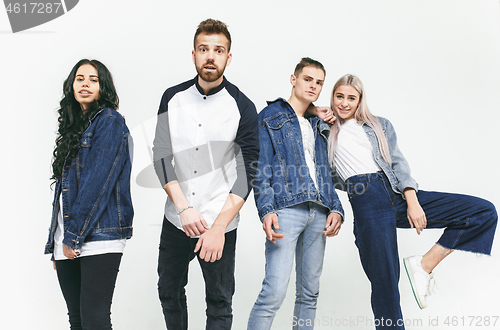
69 252
415 213
325 114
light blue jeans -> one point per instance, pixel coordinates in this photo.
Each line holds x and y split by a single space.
302 225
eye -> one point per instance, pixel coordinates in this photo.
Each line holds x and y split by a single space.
219 51
95 80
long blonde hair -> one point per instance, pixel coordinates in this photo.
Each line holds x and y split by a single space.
362 115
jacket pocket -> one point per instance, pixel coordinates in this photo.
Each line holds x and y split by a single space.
86 140
278 127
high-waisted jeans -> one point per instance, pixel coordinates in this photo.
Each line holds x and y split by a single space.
88 284
469 224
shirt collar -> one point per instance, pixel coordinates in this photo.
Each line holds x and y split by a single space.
213 90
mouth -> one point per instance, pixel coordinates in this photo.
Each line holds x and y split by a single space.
84 92
210 68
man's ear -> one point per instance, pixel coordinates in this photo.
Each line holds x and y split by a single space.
229 58
293 80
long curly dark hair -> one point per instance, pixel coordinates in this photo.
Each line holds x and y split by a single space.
72 121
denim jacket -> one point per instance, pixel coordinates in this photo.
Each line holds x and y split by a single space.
95 185
282 178
399 174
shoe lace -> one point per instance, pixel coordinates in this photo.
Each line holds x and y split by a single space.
432 287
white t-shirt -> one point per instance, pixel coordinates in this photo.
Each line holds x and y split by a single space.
88 248
354 153
308 142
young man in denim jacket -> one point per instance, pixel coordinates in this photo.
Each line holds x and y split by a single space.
295 198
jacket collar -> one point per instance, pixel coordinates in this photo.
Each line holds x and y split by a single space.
284 104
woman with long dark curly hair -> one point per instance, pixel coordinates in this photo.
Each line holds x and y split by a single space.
92 210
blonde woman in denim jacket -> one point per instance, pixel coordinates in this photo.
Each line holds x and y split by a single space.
367 163
92 210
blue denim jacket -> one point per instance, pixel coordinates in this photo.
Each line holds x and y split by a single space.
95 185
399 173
282 177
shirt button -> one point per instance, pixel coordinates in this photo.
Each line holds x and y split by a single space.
193 193
196 149
199 125
204 97
195 172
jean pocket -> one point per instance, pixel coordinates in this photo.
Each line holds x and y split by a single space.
356 189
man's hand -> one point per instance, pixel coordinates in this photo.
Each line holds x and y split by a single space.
270 222
211 243
333 223
193 222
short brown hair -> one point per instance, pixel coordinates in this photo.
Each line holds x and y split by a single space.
307 61
213 26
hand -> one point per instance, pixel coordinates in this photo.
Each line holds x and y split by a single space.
54 265
270 221
333 223
193 222
211 243
69 252
325 114
416 216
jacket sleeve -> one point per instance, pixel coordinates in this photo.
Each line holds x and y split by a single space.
337 180
263 191
400 165
246 151
107 157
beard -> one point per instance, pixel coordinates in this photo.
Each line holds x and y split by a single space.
209 76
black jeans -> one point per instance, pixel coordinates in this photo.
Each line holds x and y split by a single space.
87 284
176 251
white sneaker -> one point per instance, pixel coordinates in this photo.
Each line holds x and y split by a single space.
422 283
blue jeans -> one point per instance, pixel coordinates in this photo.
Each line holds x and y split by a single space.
88 284
176 252
302 225
470 224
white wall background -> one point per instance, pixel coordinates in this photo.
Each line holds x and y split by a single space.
431 66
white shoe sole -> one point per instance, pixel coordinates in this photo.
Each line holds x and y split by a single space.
406 262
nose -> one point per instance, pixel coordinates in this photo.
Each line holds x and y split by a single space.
85 82
344 103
